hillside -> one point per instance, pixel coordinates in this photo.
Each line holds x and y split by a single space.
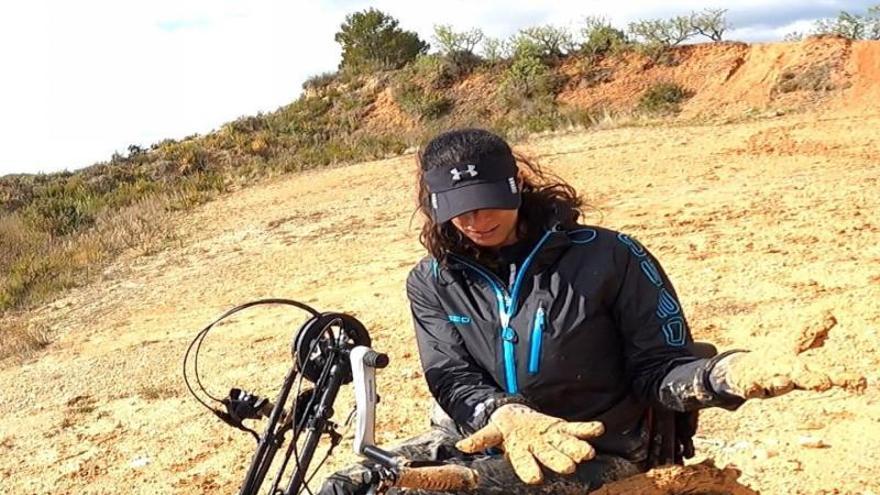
55 229
763 223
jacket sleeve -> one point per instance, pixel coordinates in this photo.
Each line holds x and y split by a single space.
463 389
659 364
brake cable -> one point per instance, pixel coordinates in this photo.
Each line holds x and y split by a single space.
239 405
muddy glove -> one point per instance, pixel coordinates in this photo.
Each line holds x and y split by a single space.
753 375
527 435
772 371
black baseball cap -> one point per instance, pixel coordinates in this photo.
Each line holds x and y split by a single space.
489 182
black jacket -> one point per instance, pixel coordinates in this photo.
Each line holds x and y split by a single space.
590 329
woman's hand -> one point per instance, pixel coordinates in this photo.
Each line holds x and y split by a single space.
529 437
754 375
772 371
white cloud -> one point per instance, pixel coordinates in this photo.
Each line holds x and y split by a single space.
83 79
94 77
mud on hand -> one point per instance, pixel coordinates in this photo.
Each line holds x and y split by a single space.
529 437
775 371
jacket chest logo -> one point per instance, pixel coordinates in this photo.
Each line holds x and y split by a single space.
459 319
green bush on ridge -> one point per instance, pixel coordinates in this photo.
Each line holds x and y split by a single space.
662 98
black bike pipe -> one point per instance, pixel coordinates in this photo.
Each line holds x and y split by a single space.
268 443
383 457
322 413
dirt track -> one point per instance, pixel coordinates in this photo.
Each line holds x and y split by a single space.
763 227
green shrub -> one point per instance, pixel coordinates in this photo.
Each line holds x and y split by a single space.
496 50
455 45
540 122
435 106
711 23
439 72
245 125
852 26
126 193
662 32
813 78
371 40
656 36
657 53
429 70
320 81
378 146
196 189
31 276
551 41
63 207
17 239
662 98
580 116
601 38
188 156
528 75
421 104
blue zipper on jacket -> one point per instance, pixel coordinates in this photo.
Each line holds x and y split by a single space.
506 309
537 336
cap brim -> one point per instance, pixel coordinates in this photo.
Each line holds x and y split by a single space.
478 196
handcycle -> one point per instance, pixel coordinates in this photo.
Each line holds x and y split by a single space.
329 350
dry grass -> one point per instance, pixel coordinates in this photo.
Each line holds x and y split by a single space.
36 265
152 392
816 78
19 339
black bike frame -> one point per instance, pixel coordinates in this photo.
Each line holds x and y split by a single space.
314 423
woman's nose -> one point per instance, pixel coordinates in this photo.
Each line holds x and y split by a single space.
473 216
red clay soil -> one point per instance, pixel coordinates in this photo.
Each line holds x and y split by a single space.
724 80
728 79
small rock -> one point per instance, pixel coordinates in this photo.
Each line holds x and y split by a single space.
812 443
410 374
735 447
60 304
764 454
811 424
139 462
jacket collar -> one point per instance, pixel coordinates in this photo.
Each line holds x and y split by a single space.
555 244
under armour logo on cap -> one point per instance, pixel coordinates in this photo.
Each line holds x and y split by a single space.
456 175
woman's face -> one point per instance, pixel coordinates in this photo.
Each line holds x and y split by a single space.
488 228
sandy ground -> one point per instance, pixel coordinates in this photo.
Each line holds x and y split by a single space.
762 226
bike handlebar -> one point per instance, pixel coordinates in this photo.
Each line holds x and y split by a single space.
445 478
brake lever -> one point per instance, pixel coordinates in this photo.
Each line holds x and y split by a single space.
242 405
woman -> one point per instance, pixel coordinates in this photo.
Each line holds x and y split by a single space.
564 345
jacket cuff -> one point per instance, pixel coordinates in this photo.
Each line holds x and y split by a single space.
715 379
485 409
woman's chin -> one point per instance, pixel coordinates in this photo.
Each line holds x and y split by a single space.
493 241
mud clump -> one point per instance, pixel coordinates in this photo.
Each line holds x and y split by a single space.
674 480
449 478
814 336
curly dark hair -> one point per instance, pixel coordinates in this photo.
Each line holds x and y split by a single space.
547 200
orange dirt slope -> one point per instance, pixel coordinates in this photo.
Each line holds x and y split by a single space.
730 79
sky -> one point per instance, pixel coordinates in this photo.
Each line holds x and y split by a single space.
82 80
